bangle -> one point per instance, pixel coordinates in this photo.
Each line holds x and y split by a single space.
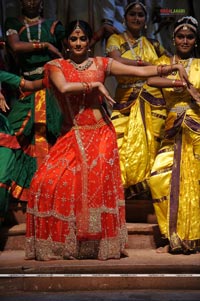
163 70
139 62
22 83
36 45
159 70
166 70
87 87
44 45
39 45
21 86
178 83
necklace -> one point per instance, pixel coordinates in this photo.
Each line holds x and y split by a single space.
80 67
29 33
186 63
137 57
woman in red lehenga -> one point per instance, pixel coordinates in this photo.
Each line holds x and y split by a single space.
76 207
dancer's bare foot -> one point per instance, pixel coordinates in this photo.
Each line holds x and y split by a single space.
164 249
124 253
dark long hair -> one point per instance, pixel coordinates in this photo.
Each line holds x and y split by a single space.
83 25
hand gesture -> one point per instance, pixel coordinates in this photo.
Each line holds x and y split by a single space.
3 104
102 89
194 93
183 74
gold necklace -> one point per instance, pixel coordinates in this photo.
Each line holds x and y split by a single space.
138 41
80 67
29 20
186 63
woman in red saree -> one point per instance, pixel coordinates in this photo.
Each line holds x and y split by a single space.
76 207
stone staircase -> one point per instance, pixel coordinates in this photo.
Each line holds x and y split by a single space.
143 269
141 223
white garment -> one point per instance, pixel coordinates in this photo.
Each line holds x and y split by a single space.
114 11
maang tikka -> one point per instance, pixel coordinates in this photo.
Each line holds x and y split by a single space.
77 27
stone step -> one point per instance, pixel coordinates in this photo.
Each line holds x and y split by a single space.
137 211
140 211
143 269
12 237
140 236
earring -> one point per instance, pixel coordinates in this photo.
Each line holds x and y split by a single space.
195 45
41 7
124 23
89 52
145 26
66 53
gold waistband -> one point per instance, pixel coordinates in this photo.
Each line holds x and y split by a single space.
99 124
38 70
181 109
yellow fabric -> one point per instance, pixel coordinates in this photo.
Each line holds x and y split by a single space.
135 136
187 233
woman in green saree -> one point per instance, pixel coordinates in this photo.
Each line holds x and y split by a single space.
32 41
8 140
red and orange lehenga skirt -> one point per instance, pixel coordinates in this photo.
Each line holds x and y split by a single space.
76 207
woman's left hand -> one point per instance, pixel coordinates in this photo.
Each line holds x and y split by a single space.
105 93
194 93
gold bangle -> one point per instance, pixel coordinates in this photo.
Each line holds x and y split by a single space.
139 62
44 45
21 86
178 83
22 83
36 45
159 70
173 82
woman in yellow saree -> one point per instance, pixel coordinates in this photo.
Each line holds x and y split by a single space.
138 123
175 176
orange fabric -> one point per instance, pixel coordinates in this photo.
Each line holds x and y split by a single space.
19 192
41 144
77 195
9 141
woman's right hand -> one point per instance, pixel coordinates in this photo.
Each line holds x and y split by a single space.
56 53
3 104
194 93
183 74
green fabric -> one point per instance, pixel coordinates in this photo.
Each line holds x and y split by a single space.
5 126
22 115
32 60
7 157
10 79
